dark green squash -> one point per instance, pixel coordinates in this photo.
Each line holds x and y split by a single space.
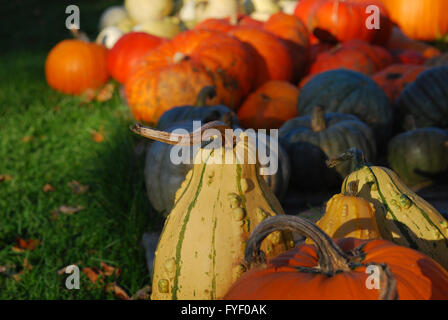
199 111
420 156
311 140
424 103
349 92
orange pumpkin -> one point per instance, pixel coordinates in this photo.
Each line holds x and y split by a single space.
73 66
331 270
175 72
396 77
354 55
342 20
128 52
274 103
295 35
420 19
273 50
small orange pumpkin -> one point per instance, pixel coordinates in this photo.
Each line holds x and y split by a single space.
337 270
74 65
347 215
274 103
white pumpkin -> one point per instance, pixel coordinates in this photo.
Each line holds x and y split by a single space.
266 6
220 9
288 6
112 16
144 10
165 28
109 36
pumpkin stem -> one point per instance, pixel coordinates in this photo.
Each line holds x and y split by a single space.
331 258
79 35
208 92
180 139
388 284
318 122
354 154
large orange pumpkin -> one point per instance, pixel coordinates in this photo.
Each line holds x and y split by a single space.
343 20
396 77
128 52
420 19
174 73
272 49
338 270
274 103
295 35
354 55
73 66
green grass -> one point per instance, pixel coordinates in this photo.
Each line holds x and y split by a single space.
58 148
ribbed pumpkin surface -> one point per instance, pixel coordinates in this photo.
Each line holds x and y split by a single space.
350 92
425 100
419 156
308 149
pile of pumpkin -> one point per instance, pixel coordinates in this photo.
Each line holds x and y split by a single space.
332 87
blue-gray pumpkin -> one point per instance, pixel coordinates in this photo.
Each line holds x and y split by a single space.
424 103
351 92
311 140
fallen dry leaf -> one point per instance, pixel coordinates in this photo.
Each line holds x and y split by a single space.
109 270
118 291
98 136
18 276
78 188
88 95
23 245
5 177
142 294
27 138
70 210
91 274
105 93
48 188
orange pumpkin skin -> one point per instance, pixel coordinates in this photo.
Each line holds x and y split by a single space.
420 19
396 77
274 52
128 52
342 20
295 35
274 103
74 66
224 24
417 276
175 72
354 55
